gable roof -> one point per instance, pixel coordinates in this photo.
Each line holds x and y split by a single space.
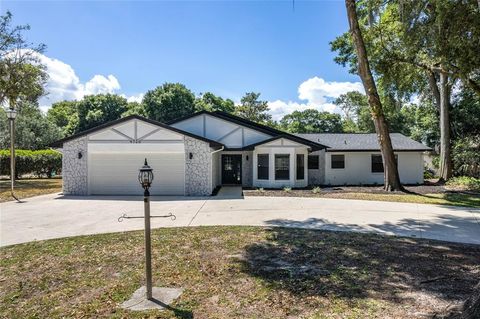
60 142
358 142
314 146
255 126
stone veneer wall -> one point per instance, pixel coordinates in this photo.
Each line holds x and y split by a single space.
74 169
198 170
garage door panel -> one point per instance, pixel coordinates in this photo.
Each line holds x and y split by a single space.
117 173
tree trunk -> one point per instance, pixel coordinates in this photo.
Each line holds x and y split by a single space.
432 81
445 169
391 177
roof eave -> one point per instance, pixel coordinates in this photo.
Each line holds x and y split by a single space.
59 143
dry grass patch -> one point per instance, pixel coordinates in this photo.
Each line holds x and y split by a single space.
25 188
239 272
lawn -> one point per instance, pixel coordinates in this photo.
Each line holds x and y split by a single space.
30 187
239 272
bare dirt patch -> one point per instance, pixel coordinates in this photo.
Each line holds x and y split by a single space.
240 272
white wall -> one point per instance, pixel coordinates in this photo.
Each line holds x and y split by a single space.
230 134
358 169
317 176
281 146
216 170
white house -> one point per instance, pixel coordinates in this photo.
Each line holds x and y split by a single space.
353 159
195 154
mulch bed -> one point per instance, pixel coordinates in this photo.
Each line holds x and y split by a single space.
427 188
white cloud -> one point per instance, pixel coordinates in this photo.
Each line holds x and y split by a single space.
134 98
318 95
64 84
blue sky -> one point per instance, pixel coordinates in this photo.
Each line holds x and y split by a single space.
225 47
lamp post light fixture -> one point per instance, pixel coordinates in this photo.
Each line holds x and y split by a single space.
145 177
11 115
150 297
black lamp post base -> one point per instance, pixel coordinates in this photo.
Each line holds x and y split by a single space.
161 299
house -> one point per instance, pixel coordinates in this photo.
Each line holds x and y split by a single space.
195 154
355 159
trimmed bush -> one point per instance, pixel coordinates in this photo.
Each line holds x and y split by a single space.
40 163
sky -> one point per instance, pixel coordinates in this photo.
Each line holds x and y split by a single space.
278 48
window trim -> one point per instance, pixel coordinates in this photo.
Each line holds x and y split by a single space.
296 167
275 167
318 161
268 166
331 161
383 168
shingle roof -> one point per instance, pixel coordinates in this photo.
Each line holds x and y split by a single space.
256 126
363 142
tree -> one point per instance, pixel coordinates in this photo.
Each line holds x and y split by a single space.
34 131
253 109
356 112
391 177
168 102
421 47
22 77
95 110
135 108
210 102
64 115
311 121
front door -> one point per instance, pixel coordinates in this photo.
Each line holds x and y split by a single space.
231 169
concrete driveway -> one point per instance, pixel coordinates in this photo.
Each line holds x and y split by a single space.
54 216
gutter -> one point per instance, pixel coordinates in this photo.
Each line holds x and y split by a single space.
219 150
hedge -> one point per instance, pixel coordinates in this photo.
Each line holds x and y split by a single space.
40 163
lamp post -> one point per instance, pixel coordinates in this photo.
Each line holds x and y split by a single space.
145 177
11 115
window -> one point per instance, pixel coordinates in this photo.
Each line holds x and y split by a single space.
300 166
313 162
262 165
338 161
282 166
377 163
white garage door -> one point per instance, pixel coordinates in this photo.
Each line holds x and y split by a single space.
117 173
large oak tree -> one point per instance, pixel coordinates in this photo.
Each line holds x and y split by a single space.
391 176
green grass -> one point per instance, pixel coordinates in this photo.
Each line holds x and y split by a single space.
238 272
25 188
455 199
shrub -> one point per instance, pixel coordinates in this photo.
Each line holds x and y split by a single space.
466 156
261 190
428 174
39 163
316 190
464 182
287 189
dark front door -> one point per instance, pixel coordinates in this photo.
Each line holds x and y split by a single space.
231 169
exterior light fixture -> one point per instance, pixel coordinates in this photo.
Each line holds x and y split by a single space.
145 177
190 155
80 155
11 114
137 301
